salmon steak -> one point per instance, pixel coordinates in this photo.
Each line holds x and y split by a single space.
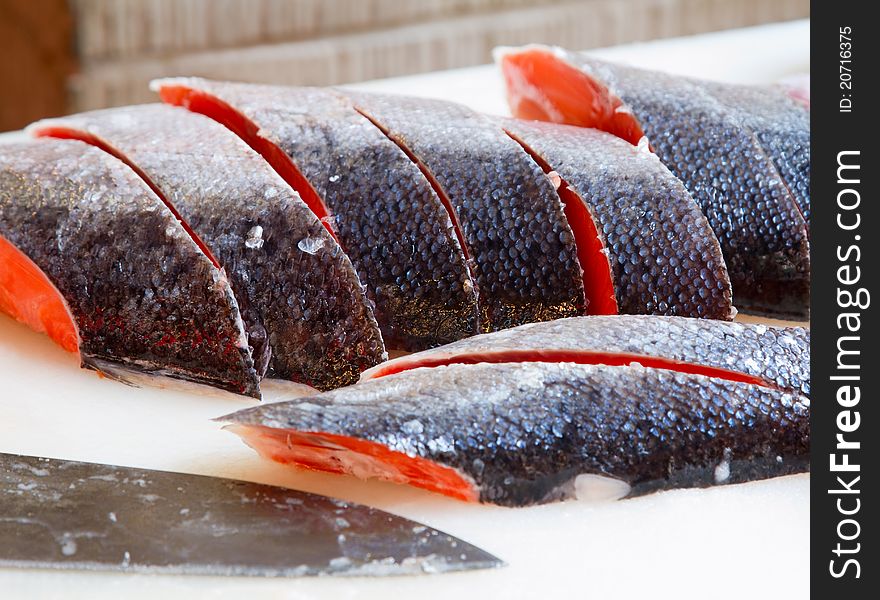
304 309
742 152
650 243
92 257
653 402
509 217
369 194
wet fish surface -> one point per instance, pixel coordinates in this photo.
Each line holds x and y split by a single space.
522 250
773 356
703 135
506 418
142 294
664 257
306 315
386 215
782 126
518 434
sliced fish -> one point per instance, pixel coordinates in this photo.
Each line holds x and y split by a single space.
704 138
782 125
123 281
776 357
369 194
511 220
522 433
658 252
306 314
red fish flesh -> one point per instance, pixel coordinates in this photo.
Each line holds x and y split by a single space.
743 153
655 248
92 257
694 403
511 220
384 212
305 312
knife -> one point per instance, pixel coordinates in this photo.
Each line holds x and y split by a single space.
75 515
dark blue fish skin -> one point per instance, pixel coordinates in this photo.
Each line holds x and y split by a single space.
663 255
761 229
388 219
702 135
522 432
143 295
778 355
522 250
782 126
305 312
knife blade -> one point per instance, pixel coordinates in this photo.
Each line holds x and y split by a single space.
75 515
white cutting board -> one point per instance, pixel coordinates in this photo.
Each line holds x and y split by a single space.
731 542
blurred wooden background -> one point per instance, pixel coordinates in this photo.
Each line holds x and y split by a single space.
59 56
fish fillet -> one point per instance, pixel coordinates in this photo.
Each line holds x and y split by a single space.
522 250
703 135
385 213
140 293
664 258
306 315
517 434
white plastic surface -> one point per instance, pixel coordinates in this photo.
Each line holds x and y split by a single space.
740 541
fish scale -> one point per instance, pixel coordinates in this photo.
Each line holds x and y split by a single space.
521 247
305 311
521 433
142 294
761 230
388 219
664 257
779 355
706 139
782 126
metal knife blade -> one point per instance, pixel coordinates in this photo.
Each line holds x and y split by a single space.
75 515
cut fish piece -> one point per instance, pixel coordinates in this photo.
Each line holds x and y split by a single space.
664 258
591 251
782 125
386 215
517 434
28 296
768 356
705 143
305 312
512 222
140 293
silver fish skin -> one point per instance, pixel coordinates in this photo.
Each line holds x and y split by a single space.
726 149
782 126
307 317
143 295
780 356
522 250
521 433
707 145
386 216
663 256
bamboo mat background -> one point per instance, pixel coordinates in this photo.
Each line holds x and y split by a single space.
85 54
